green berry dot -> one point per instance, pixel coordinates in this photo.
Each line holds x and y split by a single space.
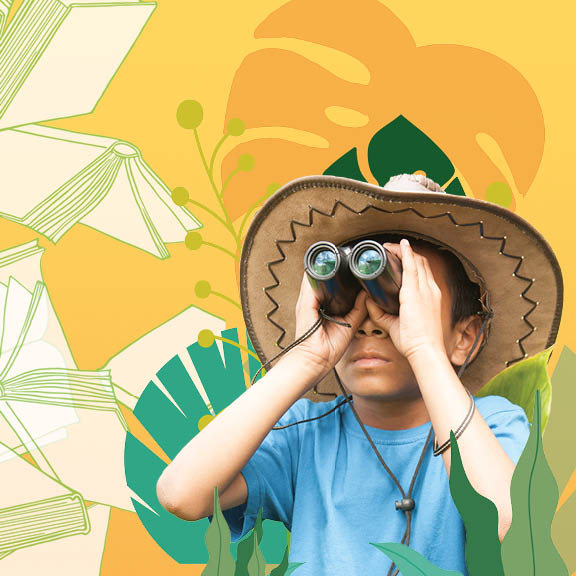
499 193
190 114
202 289
206 338
271 188
235 127
204 421
193 240
246 162
180 196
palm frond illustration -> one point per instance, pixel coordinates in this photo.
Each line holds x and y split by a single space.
67 419
131 367
97 181
173 409
57 49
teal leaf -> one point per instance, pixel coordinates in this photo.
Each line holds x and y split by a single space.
527 548
221 562
520 382
480 517
397 148
412 563
173 422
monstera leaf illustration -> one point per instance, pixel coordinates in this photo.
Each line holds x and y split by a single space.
173 418
311 95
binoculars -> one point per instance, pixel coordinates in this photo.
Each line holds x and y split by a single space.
338 273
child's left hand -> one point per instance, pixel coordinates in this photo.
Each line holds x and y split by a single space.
418 327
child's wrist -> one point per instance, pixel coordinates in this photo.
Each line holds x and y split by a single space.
305 370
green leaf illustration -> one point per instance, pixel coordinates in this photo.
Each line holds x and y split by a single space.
480 517
172 422
519 383
285 568
527 548
397 148
221 562
246 546
563 461
256 562
412 563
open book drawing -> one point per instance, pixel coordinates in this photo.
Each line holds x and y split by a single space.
4 9
58 56
101 182
67 419
35 508
133 367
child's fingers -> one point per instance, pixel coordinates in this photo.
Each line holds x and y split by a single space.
359 312
409 269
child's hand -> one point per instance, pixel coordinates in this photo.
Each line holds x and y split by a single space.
322 349
419 323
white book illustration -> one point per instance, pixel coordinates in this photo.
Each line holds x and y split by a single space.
35 508
94 180
133 367
57 57
4 9
68 419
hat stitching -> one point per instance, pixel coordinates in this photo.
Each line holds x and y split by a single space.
339 203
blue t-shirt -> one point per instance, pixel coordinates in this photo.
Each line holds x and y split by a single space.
324 482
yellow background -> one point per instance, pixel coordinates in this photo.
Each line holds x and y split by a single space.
107 294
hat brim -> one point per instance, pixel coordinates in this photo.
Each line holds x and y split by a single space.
498 249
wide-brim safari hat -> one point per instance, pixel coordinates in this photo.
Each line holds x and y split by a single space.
519 275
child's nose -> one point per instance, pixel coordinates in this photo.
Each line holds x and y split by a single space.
370 328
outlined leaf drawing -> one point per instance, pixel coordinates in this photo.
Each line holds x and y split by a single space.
519 383
412 563
562 461
218 544
100 182
527 548
173 410
315 94
480 518
57 49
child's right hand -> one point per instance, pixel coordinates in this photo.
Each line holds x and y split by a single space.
320 352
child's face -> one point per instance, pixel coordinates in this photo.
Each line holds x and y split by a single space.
373 367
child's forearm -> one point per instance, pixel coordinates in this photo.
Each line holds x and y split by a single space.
487 465
216 455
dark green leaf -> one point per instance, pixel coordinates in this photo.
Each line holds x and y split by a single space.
527 548
285 568
347 166
480 517
519 383
221 562
412 563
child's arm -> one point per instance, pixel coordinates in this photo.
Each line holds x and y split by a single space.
418 334
216 455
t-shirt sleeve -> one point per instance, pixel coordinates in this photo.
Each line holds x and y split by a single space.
509 424
269 476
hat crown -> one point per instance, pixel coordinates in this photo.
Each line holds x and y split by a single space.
412 183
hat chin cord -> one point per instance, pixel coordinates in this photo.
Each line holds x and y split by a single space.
406 504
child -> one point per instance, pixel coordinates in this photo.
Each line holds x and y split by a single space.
362 468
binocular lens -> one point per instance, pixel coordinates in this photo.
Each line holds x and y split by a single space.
368 261
323 263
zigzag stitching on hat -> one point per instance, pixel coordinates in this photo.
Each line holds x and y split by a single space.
338 204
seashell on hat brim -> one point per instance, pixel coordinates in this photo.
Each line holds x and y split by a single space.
506 255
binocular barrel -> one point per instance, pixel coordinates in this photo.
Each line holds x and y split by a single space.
337 274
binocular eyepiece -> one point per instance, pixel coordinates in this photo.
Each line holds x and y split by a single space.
338 273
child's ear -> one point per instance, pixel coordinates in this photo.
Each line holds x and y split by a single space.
465 333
